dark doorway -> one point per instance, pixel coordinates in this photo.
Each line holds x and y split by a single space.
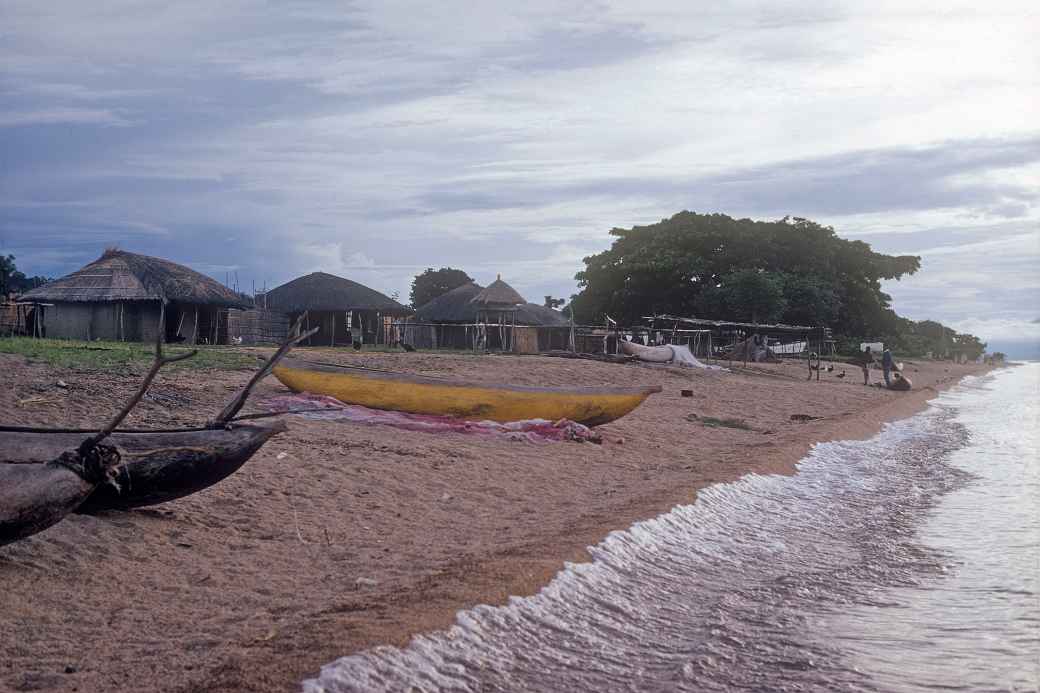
174 323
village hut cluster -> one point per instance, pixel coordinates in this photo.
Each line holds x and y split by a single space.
119 296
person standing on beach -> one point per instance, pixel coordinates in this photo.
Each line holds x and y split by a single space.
887 366
866 359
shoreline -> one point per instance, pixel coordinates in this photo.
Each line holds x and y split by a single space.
434 525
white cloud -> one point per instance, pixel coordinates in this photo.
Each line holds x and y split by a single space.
56 116
1000 330
377 138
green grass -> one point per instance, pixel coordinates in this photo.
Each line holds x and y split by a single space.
712 422
111 356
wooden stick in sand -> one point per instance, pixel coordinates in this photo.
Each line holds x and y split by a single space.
239 400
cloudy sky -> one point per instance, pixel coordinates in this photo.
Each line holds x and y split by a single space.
373 139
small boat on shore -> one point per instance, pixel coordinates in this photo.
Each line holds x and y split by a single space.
35 496
155 466
675 354
416 394
650 354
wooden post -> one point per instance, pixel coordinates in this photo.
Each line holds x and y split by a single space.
195 328
333 338
808 359
819 356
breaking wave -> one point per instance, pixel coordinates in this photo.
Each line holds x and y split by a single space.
770 582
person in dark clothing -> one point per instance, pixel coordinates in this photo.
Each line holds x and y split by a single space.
866 360
887 366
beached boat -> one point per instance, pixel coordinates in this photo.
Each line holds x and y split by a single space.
464 400
155 466
34 496
651 354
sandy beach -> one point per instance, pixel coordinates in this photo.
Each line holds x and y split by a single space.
337 537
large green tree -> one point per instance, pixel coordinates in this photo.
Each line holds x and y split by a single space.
12 280
433 283
713 266
747 295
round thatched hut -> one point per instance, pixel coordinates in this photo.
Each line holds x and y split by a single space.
453 321
345 310
458 307
118 297
497 305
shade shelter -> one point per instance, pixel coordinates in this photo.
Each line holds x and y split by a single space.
345 310
119 295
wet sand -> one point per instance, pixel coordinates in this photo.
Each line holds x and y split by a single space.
337 537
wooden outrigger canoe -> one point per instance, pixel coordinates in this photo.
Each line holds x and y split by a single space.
47 473
155 466
35 496
415 394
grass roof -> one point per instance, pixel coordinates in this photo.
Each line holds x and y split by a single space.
122 276
458 306
498 293
320 291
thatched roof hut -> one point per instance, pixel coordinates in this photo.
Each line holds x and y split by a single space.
320 291
459 306
498 294
346 312
121 276
118 297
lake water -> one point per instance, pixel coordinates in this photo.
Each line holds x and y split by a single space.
907 562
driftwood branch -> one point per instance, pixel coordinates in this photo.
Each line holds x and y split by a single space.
90 443
607 358
239 400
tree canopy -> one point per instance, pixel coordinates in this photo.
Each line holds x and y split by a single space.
433 283
713 266
14 281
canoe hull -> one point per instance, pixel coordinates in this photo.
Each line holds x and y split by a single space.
650 354
35 496
156 467
472 401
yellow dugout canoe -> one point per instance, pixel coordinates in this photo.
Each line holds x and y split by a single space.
416 394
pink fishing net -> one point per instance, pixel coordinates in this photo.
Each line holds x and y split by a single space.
323 408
